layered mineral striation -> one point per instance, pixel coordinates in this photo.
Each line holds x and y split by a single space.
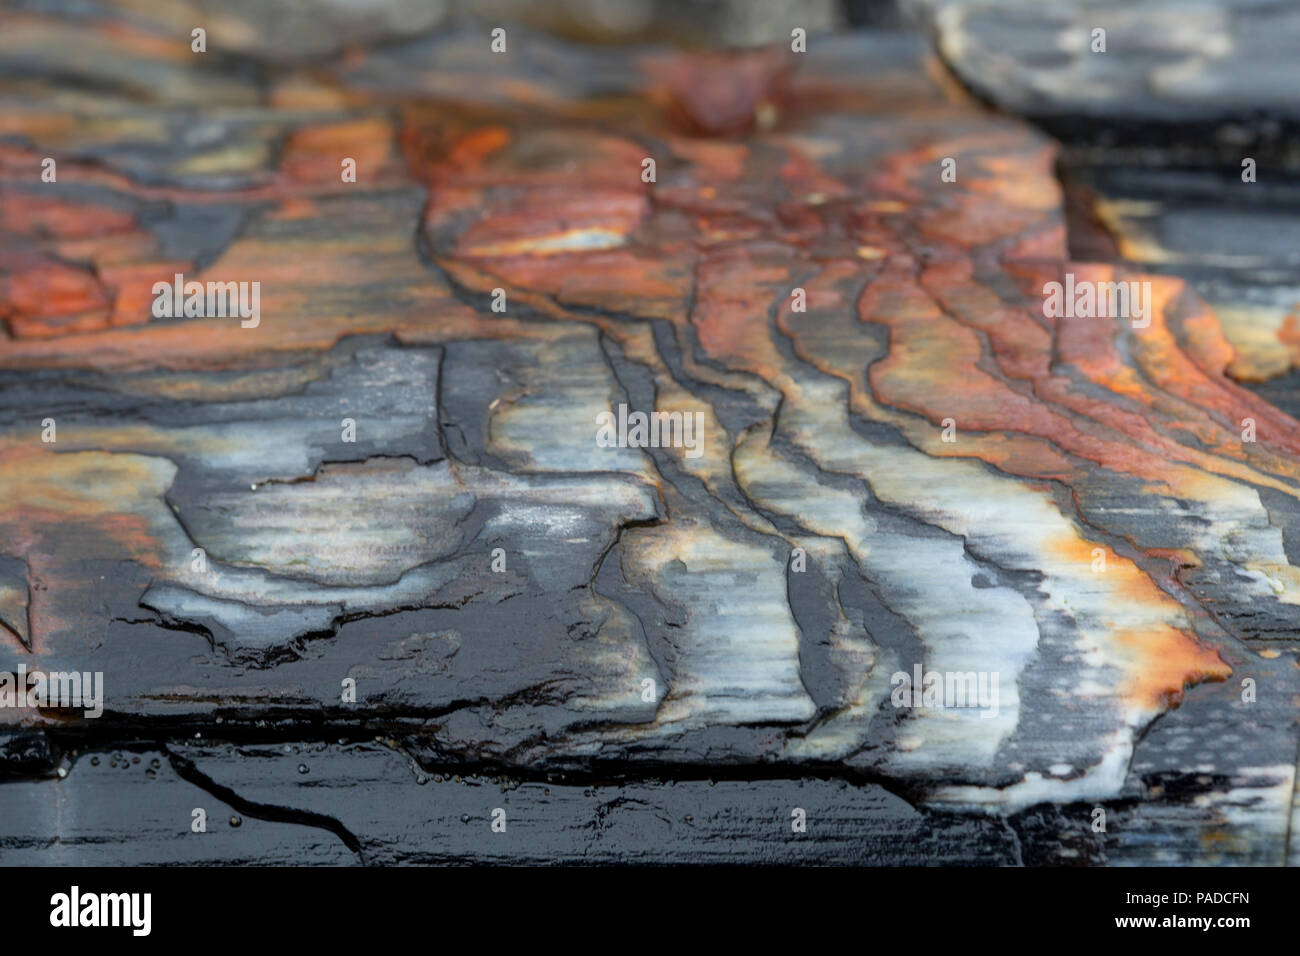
907 465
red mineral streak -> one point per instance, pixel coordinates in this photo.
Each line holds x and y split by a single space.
41 217
551 220
313 155
1289 334
1168 662
718 94
81 267
736 288
1164 659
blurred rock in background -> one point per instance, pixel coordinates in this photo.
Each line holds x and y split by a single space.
1228 67
301 29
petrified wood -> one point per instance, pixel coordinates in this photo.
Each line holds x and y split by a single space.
620 646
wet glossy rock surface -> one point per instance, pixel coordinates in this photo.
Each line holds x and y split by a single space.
524 689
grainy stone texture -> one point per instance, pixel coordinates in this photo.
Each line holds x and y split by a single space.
1098 535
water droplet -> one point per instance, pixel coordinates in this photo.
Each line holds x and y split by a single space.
302 768
235 821
94 761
